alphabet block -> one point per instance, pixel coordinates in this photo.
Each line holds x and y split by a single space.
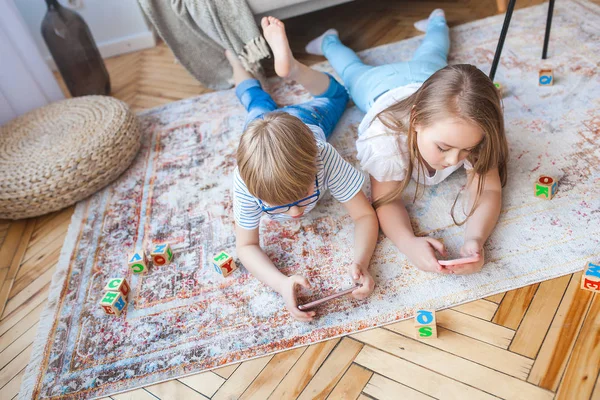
224 264
425 324
162 254
118 285
138 262
545 187
113 303
590 280
499 88
546 77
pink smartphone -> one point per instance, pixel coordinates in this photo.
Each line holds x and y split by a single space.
459 261
315 303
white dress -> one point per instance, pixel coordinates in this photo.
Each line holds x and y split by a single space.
383 154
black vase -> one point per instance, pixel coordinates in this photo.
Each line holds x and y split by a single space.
74 51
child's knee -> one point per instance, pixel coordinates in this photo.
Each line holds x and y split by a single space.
339 90
344 95
340 99
260 101
335 91
341 93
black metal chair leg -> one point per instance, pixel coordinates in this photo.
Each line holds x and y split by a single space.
548 23
507 17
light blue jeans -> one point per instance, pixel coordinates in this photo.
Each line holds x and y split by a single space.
366 83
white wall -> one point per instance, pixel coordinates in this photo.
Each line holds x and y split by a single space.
25 80
118 26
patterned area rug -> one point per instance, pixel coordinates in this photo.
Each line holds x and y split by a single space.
183 318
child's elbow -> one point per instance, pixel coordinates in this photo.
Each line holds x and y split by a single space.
238 246
242 249
371 216
371 212
495 192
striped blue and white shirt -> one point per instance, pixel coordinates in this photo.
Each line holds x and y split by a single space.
333 173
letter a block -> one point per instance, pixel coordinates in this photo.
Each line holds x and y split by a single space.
113 303
162 254
546 77
590 280
224 263
118 285
138 262
425 324
545 187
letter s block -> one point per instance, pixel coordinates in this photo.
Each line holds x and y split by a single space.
425 324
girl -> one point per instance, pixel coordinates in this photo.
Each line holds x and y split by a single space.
425 120
285 165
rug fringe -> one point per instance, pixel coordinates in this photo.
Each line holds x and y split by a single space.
48 316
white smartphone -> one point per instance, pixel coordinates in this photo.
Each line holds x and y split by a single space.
325 299
459 261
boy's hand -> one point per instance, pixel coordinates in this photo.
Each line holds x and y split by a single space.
361 275
288 292
470 248
421 252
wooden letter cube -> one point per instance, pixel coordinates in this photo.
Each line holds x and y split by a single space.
138 262
113 303
499 88
545 187
425 324
546 77
224 263
590 280
118 285
162 254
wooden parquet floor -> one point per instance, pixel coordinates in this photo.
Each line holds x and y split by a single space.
537 342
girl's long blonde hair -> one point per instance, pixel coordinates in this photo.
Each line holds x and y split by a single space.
457 91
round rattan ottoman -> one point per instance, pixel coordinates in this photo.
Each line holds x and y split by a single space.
59 154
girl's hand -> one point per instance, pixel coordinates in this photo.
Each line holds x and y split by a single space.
421 253
288 292
470 248
361 275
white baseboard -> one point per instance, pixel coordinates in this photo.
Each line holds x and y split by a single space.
140 41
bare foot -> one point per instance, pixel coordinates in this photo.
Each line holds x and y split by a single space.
274 33
239 73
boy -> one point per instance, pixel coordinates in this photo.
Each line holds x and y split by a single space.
285 165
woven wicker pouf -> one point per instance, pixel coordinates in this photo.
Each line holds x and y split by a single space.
59 154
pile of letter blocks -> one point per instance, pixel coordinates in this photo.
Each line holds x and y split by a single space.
115 298
117 289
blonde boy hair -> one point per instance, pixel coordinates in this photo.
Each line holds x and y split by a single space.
456 91
276 158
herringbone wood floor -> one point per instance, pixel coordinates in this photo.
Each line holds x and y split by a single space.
540 341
